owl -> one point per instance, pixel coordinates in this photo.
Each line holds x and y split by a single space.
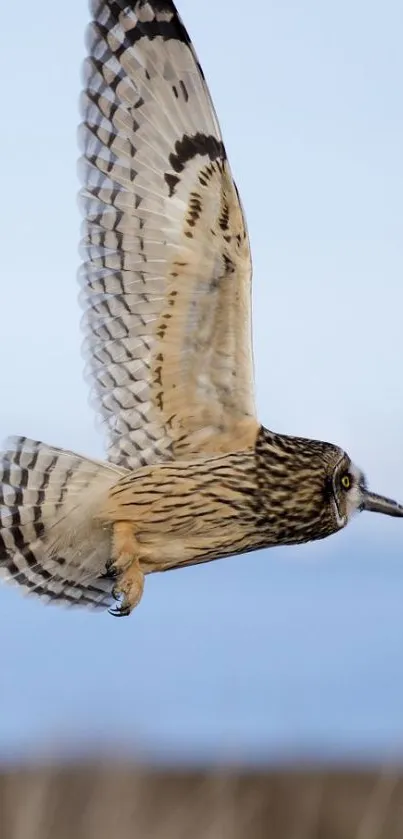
191 475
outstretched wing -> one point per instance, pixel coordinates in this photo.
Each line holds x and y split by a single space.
167 271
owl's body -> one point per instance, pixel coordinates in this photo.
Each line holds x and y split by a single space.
191 474
154 518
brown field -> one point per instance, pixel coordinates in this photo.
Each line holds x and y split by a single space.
104 801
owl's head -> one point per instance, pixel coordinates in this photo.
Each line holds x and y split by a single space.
310 489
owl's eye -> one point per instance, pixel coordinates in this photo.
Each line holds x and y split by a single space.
345 480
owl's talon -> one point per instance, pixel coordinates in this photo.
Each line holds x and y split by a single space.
121 611
123 608
125 605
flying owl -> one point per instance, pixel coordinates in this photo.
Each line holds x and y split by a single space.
191 474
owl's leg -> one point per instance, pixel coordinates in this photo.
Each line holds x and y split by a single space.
125 565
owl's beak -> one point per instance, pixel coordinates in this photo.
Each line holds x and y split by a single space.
380 504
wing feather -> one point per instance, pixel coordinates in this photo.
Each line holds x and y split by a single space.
166 270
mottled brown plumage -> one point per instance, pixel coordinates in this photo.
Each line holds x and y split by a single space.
166 289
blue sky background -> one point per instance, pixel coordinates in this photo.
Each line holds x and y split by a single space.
292 651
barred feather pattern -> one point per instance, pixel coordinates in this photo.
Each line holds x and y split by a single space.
166 271
50 541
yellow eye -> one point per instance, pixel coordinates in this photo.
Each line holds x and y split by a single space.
346 481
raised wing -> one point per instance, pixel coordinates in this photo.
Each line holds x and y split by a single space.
167 271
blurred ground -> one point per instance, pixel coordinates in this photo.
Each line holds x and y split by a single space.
104 801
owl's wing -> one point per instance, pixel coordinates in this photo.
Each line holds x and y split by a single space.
166 277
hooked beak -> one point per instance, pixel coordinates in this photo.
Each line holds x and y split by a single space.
380 504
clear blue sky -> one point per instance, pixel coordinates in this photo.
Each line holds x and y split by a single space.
292 650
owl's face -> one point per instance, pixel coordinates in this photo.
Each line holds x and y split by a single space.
347 490
350 494
346 493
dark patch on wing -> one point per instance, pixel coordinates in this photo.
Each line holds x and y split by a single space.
169 28
189 146
195 209
223 221
229 265
184 90
172 182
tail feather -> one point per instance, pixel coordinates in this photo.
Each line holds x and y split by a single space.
51 542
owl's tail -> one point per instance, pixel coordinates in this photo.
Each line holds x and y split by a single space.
51 542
